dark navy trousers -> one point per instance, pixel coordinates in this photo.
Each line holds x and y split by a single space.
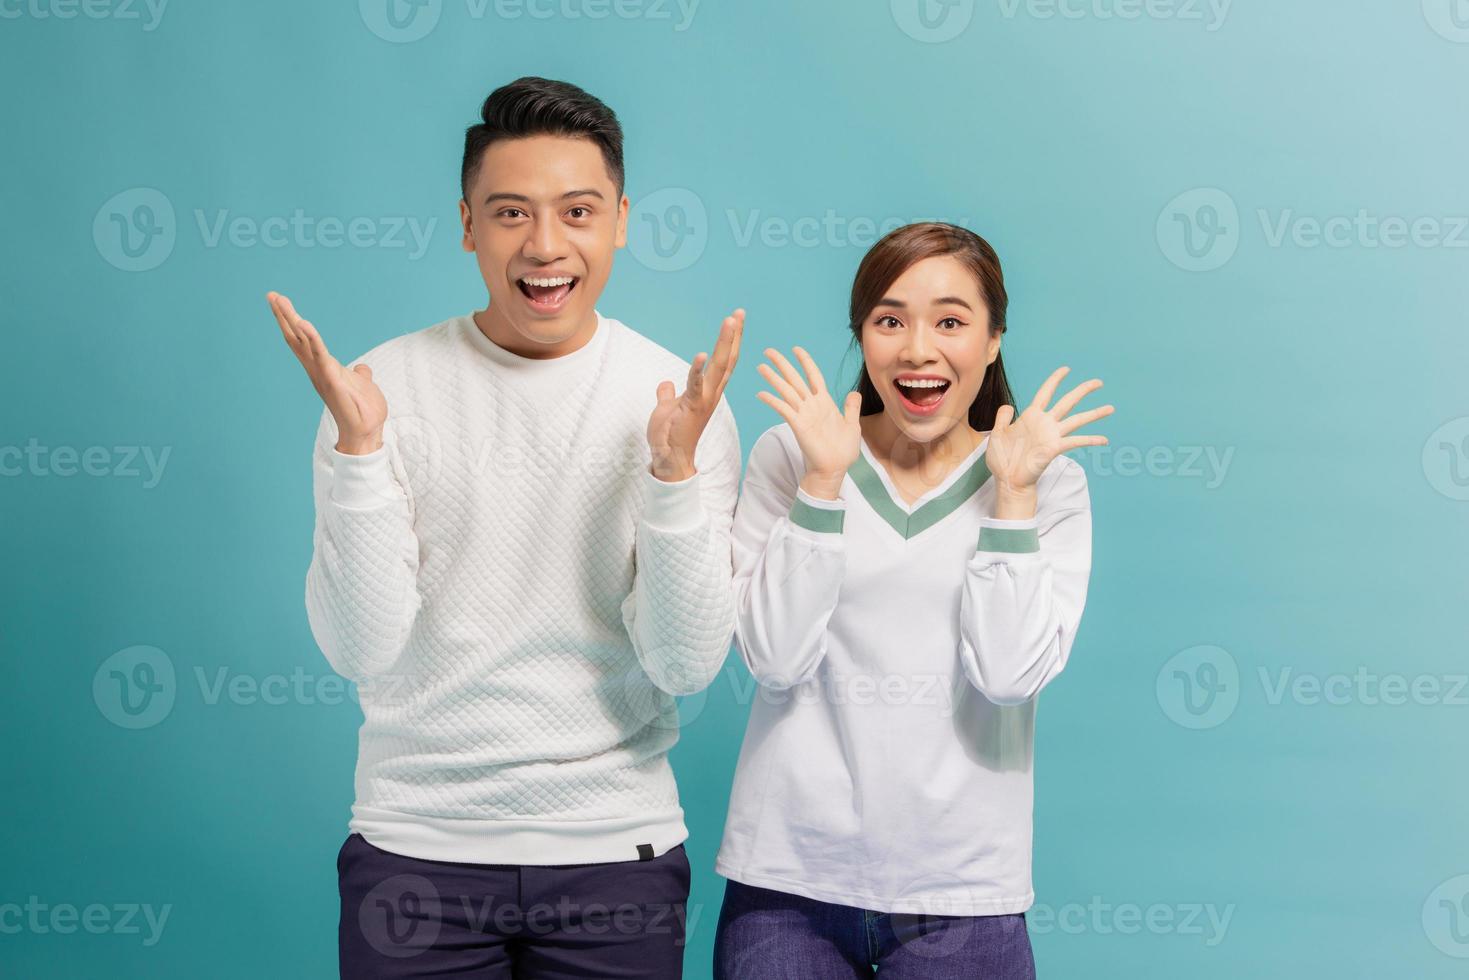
408 917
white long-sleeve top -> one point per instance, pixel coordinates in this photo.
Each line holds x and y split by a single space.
519 599
899 650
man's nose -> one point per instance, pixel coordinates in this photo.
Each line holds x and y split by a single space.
546 242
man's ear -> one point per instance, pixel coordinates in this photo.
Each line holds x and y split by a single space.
621 239
467 242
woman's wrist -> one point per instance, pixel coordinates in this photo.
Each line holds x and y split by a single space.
1015 503
825 486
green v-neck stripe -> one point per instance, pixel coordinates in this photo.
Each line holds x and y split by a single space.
876 494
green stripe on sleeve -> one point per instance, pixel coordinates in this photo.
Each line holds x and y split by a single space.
817 518
1010 539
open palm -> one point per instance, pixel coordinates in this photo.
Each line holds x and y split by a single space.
356 403
830 438
1021 448
678 420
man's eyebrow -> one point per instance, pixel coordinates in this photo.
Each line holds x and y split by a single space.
522 199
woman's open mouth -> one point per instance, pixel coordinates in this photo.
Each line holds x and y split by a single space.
546 294
921 396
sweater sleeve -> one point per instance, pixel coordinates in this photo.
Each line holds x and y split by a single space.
789 557
361 586
1024 589
679 614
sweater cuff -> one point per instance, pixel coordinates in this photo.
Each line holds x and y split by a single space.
672 506
815 514
1009 536
362 482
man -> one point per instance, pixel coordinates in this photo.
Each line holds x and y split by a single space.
521 555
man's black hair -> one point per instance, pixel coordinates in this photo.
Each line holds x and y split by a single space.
532 106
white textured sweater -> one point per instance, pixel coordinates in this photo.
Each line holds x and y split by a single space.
900 649
518 598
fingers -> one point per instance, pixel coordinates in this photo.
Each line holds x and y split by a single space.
1048 389
1068 401
818 383
726 348
792 376
694 383
779 384
300 335
734 353
1080 442
284 313
1074 422
777 404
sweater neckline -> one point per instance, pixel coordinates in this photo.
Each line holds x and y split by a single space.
519 363
877 487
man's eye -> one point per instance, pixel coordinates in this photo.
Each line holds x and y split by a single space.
511 213
579 212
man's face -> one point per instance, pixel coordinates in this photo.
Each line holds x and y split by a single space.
543 219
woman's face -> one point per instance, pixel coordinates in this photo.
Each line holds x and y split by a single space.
927 345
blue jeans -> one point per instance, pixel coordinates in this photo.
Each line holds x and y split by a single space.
772 935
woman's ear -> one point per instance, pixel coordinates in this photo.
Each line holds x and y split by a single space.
994 351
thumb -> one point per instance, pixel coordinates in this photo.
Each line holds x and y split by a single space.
852 409
665 392
363 370
1004 416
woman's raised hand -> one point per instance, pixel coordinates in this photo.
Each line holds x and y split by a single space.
1020 448
830 438
356 403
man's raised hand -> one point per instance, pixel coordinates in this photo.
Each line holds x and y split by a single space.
679 419
357 405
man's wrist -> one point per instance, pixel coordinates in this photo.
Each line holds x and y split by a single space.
360 445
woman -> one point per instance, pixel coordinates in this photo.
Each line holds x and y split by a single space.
910 570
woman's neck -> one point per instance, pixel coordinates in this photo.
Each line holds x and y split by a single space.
927 463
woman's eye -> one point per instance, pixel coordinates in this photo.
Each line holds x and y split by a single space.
888 320
953 322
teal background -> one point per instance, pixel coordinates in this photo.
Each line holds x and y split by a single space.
1332 835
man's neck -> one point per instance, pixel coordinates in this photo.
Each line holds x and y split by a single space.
500 332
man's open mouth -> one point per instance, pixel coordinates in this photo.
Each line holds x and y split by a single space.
547 293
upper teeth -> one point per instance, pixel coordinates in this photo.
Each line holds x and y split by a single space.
558 281
921 382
